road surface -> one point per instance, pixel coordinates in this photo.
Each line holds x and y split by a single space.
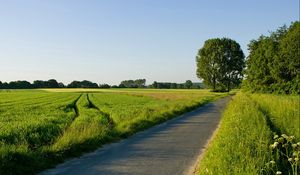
170 148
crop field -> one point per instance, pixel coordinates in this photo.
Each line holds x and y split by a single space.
40 128
258 134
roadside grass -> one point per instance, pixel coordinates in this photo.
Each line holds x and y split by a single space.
283 110
41 129
244 143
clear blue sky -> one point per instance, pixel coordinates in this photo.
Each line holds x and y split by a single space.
107 41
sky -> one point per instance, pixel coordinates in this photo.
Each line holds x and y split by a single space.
107 41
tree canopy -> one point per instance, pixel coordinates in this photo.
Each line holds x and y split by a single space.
168 85
23 84
273 64
220 63
139 83
82 84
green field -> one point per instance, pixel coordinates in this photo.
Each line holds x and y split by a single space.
245 142
40 128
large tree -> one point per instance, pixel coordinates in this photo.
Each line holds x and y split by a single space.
188 84
220 63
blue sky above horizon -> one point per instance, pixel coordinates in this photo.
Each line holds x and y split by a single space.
107 41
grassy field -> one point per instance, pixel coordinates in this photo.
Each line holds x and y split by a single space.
258 134
40 128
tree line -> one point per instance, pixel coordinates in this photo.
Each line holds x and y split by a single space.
139 83
167 85
52 83
273 63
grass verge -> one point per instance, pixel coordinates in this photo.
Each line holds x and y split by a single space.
244 143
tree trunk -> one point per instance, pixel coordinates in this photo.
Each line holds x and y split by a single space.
214 83
228 84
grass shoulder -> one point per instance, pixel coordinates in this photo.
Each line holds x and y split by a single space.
242 143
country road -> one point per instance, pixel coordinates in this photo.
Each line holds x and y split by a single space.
170 148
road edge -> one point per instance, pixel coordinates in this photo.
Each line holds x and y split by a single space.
194 169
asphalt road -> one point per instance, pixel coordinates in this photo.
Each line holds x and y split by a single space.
170 148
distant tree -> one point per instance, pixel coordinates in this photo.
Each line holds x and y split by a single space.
114 86
161 85
173 86
104 86
122 86
180 86
82 84
52 83
155 85
167 85
61 85
188 84
19 85
1 85
196 86
128 84
74 84
140 83
220 63
39 84
164 85
88 84
5 85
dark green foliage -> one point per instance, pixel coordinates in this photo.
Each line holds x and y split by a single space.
52 83
220 63
82 84
167 85
19 85
5 86
188 84
139 83
273 64
61 85
173 86
104 86
155 84
163 85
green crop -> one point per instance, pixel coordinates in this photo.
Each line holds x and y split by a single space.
42 128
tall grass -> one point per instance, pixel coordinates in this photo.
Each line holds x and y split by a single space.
88 129
242 142
136 111
283 111
29 121
40 129
245 138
